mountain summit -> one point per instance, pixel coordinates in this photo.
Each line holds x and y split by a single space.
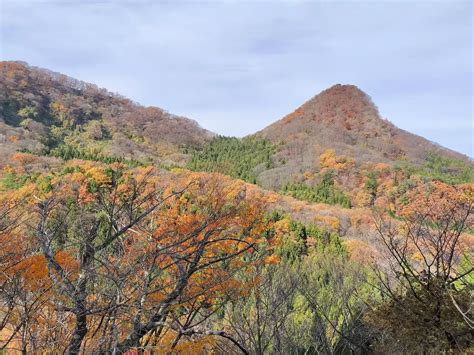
345 119
342 119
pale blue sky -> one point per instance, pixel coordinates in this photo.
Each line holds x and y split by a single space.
236 66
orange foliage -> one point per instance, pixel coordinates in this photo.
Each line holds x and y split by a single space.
292 116
436 200
361 251
206 215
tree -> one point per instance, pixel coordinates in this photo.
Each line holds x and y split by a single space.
310 301
259 319
18 300
131 258
371 186
334 293
426 278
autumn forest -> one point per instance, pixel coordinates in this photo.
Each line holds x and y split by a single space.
127 229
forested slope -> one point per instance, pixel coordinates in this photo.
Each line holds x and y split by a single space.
301 239
49 113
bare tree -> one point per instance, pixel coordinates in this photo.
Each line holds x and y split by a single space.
258 319
128 259
427 276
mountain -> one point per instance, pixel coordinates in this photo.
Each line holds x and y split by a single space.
344 119
50 113
335 149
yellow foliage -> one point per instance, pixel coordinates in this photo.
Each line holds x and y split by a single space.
329 160
308 175
99 176
332 222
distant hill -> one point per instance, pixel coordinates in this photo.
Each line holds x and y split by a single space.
50 113
342 118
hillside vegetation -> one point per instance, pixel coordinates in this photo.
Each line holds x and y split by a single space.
336 180
51 114
324 192
239 158
125 229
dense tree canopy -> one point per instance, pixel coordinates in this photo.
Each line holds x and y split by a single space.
324 192
119 258
239 158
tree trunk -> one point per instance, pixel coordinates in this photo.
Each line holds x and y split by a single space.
79 333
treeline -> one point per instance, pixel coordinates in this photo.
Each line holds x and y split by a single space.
232 156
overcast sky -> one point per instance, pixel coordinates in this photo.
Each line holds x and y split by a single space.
236 66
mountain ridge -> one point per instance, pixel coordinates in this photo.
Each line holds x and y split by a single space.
41 110
344 118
